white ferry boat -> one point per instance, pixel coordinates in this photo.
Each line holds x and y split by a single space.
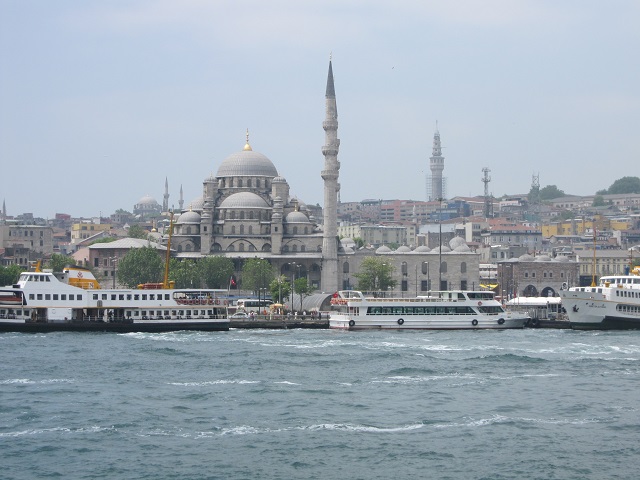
437 311
614 304
73 301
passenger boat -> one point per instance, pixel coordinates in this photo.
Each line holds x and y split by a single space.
613 304
42 301
436 311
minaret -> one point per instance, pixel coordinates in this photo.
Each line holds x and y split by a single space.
165 200
181 201
437 166
331 187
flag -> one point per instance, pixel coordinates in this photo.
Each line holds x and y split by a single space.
232 282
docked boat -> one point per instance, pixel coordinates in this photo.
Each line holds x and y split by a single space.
436 311
42 301
613 304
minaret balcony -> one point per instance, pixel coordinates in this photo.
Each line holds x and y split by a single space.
329 150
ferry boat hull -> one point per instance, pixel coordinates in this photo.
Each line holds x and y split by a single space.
144 326
612 305
439 311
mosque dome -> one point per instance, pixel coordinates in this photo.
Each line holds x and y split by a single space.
526 258
197 203
278 179
296 217
544 258
244 200
442 249
148 200
422 249
456 242
464 248
384 249
189 217
403 249
247 163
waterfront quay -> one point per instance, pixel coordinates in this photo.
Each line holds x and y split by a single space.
280 322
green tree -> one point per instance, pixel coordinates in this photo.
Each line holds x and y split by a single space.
550 191
58 262
598 201
104 240
215 271
136 231
625 185
9 274
359 242
140 265
257 273
184 273
375 275
302 288
280 289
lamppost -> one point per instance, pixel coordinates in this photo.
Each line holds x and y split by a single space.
293 279
440 241
114 263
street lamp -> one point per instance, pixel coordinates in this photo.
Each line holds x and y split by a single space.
114 263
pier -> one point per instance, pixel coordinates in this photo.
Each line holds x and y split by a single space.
280 322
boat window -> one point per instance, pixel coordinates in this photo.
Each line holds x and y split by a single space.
48 279
166 296
121 296
136 296
55 296
113 296
39 296
78 297
31 296
144 296
104 296
95 296
152 296
128 296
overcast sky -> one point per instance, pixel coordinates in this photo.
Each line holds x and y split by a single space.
100 101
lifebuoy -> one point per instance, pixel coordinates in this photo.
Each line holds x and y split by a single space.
479 304
217 302
400 321
501 321
474 322
352 323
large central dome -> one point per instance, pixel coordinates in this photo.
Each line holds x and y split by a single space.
247 163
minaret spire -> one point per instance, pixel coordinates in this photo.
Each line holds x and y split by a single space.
436 163
165 200
181 201
330 175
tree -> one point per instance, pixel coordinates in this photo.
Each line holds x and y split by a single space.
598 201
359 242
302 288
550 191
257 273
375 275
136 231
104 240
58 262
625 185
9 274
216 271
184 273
280 289
140 265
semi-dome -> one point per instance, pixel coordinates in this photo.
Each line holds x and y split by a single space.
244 200
189 217
296 217
247 163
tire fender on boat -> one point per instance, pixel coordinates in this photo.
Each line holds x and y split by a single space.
400 321
474 322
501 321
479 304
352 323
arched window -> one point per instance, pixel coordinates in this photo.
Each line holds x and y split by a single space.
249 183
241 247
403 268
233 214
463 267
250 229
345 267
179 248
285 248
242 215
303 248
252 248
188 247
425 268
233 229
251 215
231 248
239 182
241 229
188 230
306 230
295 230
294 248
443 267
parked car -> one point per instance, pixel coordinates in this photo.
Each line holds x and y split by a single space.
240 315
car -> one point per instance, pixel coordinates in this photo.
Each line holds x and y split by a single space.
242 315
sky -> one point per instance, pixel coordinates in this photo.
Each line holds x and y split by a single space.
101 101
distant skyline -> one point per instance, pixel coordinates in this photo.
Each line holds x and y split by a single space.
100 101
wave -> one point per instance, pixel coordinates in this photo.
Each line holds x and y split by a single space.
500 419
64 430
27 381
214 382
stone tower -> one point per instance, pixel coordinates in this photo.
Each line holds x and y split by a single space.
330 175
436 163
165 197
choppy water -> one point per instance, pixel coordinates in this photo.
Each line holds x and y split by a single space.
547 404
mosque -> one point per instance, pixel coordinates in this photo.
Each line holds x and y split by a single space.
246 211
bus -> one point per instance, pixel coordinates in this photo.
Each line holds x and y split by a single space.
249 305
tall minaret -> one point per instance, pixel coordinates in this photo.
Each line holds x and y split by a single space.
329 281
181 201
437 166
165 197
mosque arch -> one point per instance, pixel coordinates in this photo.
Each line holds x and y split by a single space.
530 291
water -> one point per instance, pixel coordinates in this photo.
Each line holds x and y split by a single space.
546 404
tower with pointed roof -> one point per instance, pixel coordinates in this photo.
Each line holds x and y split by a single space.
330 175
436 163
